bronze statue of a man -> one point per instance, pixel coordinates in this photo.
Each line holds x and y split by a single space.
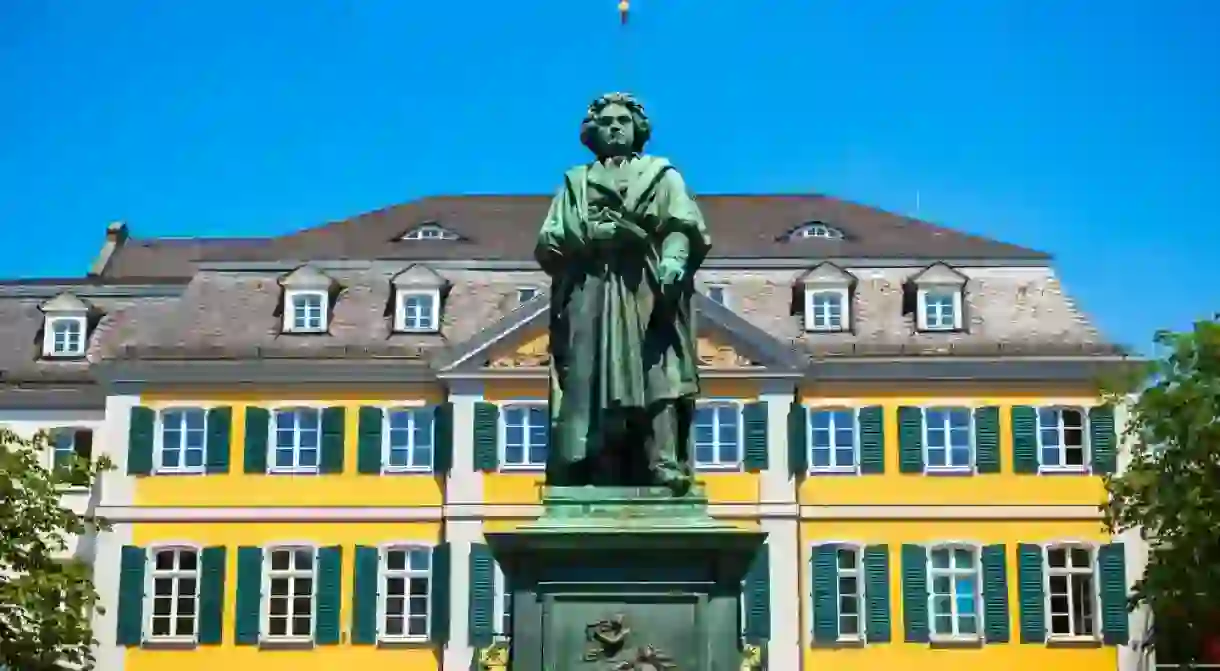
621 243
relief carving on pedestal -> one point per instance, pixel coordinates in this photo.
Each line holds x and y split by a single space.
608 638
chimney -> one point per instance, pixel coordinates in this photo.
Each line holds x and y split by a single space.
116 235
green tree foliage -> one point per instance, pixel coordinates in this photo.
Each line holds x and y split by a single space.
1170 491
46 598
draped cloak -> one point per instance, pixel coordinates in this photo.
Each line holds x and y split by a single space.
619 341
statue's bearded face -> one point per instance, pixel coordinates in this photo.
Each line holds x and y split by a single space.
615 130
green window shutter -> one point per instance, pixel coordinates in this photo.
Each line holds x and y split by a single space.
798 439
442 560
368 445
877 593
1112 579
825 593
915 593
1024 439
486 436
211 594
248 603
1030 593
872 440
910 440
333 419
330 595
1103 440
482 595
757 595
140 441
220 427
442 437
987 439
365 586
130 630
754 423
995 594
258 422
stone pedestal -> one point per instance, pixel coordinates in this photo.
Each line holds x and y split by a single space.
625 578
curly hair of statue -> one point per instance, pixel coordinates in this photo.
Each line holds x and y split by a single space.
643 127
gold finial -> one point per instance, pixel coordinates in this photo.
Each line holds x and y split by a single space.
623 6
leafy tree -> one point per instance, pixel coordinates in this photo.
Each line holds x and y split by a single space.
46 600
1170 491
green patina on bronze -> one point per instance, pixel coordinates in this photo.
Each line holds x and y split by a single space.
625 570
622 242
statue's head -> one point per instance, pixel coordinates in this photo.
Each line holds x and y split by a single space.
615 125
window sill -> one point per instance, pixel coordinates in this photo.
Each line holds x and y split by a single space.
825 330
1073 642
413 642
520 468
718 468
949 470
1063 470
401 330
957 642
305 332
286 644
841 643
293 471
179 471
170 643
834 471
408 470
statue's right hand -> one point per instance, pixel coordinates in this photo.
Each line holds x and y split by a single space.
604 231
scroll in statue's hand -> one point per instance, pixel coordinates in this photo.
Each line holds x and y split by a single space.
670 271
610 226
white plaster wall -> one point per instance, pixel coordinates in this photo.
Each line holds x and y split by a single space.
26 423
463 486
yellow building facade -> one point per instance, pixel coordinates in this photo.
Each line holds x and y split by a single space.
311 450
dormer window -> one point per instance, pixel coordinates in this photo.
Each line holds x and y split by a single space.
417 300
826 298
308 293
66 327
418 311
306 311
526 294
718 293
816 229
429 231
939 290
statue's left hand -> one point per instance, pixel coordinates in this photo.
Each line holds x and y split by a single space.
670 271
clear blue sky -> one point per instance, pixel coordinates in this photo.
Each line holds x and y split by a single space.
1087 129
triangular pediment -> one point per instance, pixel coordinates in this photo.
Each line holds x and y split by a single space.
418 275
939 273
725 342
827 274
66 302
307 277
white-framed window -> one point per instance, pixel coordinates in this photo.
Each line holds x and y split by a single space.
953 581
65 337
524 431
948 439
291 586
719 293
429 232
296 438
182 440
826 309
408 440
939 309
526 294
1062 439
718 435
1071 591
819 230
849 589
172 594
504 605
833 440
418 311
305 311
69 443
404 597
